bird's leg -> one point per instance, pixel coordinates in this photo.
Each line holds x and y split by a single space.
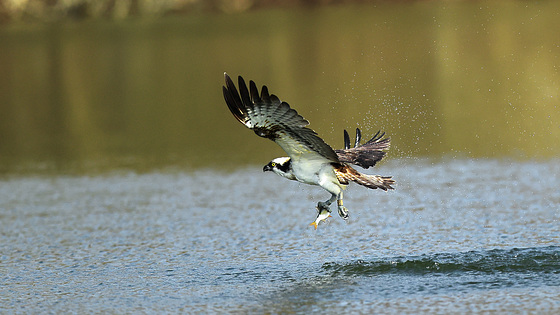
342 211
326 204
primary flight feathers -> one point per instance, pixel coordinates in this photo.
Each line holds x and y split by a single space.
264 111
270 118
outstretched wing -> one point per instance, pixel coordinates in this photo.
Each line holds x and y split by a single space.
367 154
271 118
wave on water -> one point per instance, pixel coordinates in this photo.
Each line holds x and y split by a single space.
533 260
422 282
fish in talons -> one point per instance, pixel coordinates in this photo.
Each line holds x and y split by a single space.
322 215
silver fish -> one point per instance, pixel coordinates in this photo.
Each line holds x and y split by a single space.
322 215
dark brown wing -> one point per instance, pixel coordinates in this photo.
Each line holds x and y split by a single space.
367 154
270 118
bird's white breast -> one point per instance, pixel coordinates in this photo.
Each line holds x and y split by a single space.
310 171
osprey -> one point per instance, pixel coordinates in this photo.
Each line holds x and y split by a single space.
310 160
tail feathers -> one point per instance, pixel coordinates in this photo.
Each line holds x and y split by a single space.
375 181
346 173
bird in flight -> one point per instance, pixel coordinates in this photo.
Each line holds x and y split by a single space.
310 160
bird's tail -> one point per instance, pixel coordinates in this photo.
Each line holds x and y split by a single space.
345 174
375 181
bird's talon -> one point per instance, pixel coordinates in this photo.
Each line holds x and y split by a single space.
343 212
322 206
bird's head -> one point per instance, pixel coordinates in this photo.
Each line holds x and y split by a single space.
281 166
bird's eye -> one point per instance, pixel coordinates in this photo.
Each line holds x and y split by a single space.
273 164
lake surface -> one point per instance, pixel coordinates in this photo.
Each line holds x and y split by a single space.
126 186
460 236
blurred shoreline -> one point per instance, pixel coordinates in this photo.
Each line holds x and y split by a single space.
45 11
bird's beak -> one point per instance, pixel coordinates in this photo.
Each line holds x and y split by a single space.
267 167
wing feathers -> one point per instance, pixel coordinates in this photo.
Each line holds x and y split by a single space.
264 94
233 107
346 140
255 98
273 119
244 93
367 154
274 99
358 137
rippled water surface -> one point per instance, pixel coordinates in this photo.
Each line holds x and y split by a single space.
455 236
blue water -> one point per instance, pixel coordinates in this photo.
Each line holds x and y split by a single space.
455 236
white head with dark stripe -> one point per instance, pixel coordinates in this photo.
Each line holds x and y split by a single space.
281 166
